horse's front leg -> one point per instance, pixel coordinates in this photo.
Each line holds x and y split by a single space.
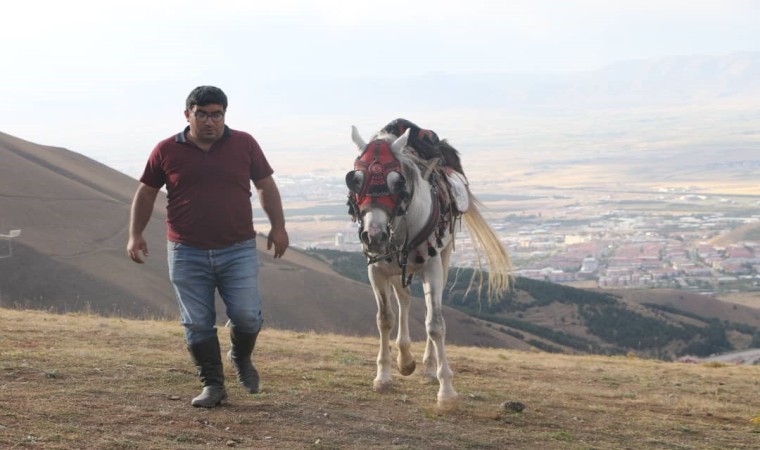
433 283
405 360
429 363
429 359
385 318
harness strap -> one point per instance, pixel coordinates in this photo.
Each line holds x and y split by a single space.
427 230
429 167
435 215
432 222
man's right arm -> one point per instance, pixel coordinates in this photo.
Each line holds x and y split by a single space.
142 208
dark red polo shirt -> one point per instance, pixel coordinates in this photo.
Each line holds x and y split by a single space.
209 193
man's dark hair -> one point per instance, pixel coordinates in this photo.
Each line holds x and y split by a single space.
206 95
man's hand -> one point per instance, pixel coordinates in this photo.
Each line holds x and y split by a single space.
271 203
135 246
142 207
278 237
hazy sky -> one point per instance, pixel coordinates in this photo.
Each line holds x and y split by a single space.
108 79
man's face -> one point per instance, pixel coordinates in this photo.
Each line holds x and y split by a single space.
206 122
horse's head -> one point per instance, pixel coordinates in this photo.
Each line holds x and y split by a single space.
378 189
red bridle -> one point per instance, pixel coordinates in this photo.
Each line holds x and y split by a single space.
375 163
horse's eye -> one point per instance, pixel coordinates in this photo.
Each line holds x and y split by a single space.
355 181
396 182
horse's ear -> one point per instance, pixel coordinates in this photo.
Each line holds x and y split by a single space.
398 145
357 139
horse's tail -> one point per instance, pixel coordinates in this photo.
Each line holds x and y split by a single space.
487 244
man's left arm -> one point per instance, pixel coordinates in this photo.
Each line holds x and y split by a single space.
271 203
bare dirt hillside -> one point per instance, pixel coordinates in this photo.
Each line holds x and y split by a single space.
83 381
73 214
748 232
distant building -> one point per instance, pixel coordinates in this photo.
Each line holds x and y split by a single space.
590 265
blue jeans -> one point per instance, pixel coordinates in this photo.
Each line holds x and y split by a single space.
197 273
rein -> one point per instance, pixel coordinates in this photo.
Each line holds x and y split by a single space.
432 222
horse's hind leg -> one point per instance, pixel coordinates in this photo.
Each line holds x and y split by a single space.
385 318
405 360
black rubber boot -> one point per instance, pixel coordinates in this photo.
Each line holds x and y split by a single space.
207 358
240 356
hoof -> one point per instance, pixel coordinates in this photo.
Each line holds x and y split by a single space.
382 386
448 404
408 369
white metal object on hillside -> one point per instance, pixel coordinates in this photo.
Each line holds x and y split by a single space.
9 237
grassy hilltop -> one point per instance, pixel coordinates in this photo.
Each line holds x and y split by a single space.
83 381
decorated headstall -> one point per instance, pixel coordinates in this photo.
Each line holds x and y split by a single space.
376 181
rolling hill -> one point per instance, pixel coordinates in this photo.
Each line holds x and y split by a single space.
747 232
73 215
663 324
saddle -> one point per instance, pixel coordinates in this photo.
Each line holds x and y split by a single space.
443 169
443 164
426 143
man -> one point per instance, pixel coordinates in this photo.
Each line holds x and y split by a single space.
207 170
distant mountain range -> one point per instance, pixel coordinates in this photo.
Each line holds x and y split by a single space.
667 81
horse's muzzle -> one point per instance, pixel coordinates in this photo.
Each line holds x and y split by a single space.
374 242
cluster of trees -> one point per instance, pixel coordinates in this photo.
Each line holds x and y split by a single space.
629 329
349 264
714 332
459 292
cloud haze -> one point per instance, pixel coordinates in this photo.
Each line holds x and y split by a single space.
109 78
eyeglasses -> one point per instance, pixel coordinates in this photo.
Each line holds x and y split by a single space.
203 115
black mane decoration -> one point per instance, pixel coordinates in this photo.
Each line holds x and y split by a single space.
426 143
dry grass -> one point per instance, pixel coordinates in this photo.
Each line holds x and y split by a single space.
751 299
82 381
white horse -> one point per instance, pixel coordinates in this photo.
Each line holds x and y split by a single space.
407 207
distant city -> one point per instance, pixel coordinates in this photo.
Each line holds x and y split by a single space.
666 238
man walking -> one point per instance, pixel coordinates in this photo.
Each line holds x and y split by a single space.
207 169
